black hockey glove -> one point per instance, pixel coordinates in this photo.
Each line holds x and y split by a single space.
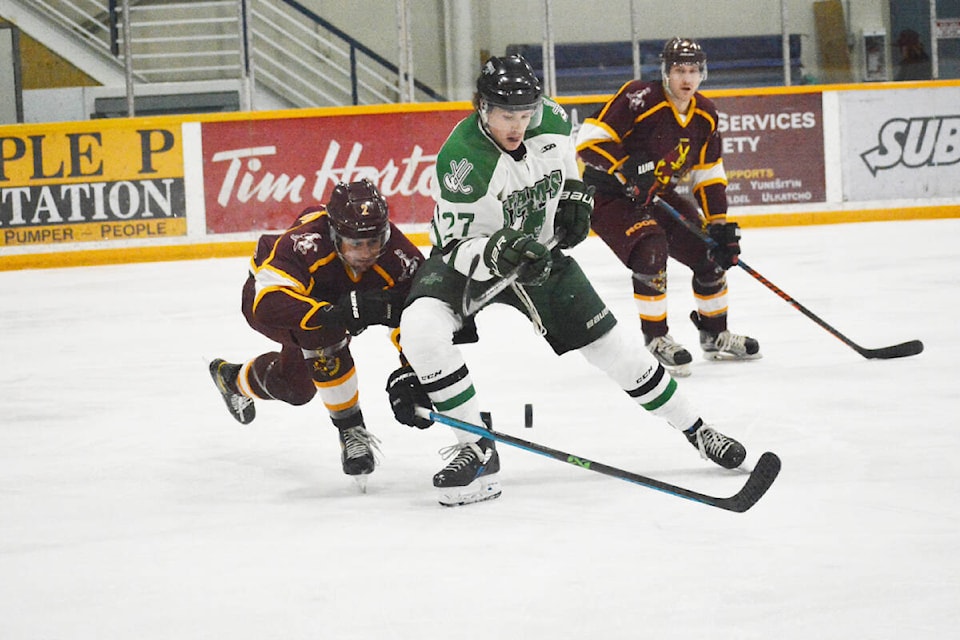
508 249
358 310
572 221
406 394
642 184
726 235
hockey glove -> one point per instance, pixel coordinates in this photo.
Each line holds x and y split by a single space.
508 249
358 310
642 184
406 394
726 235
572 221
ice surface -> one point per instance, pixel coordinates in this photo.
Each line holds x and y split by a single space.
133 506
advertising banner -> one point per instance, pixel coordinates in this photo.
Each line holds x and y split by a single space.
90 181
900 144
772 147
260 175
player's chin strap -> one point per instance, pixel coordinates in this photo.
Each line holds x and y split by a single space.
470 305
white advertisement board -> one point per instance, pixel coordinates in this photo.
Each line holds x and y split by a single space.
900 144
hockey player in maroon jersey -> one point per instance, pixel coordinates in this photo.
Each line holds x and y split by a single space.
336 271
636 148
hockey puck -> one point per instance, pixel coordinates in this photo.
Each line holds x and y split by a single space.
528 416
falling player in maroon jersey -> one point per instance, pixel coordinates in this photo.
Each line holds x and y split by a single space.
339 269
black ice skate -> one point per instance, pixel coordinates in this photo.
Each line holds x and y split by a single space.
726 345
357 446
472 474
716 447
224 376
670 354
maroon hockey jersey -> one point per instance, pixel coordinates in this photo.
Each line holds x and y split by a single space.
641 122
298 272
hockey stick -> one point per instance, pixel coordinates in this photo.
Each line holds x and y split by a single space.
470 305
902 350
762 476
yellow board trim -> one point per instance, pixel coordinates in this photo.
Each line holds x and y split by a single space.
164 253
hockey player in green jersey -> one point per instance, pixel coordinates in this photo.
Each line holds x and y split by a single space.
510 187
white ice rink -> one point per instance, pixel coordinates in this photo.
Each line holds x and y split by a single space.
132 506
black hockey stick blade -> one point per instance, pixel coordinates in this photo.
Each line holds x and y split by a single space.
902 350
911 348
759 481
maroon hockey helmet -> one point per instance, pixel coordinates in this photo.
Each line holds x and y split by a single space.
682 51
357 211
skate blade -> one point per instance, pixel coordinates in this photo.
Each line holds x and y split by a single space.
719 356
480 490
361 482
678 370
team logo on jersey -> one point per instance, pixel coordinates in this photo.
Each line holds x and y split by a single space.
529 204
637 98
305 242
557 109
456 180
326 368
409 264
431 279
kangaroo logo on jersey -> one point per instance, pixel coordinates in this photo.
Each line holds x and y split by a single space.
409 264
305 242
456 180
636 99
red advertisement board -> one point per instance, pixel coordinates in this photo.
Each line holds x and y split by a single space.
260 174
773 148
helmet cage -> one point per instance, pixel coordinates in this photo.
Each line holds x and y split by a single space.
682 51
357 211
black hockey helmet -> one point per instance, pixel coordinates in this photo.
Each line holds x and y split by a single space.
509 83
682 51
357 211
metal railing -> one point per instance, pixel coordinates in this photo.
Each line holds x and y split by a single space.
278 44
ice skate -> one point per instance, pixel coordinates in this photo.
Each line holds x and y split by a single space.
670 354
357 454
471 476
224 376
725 345
716 447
